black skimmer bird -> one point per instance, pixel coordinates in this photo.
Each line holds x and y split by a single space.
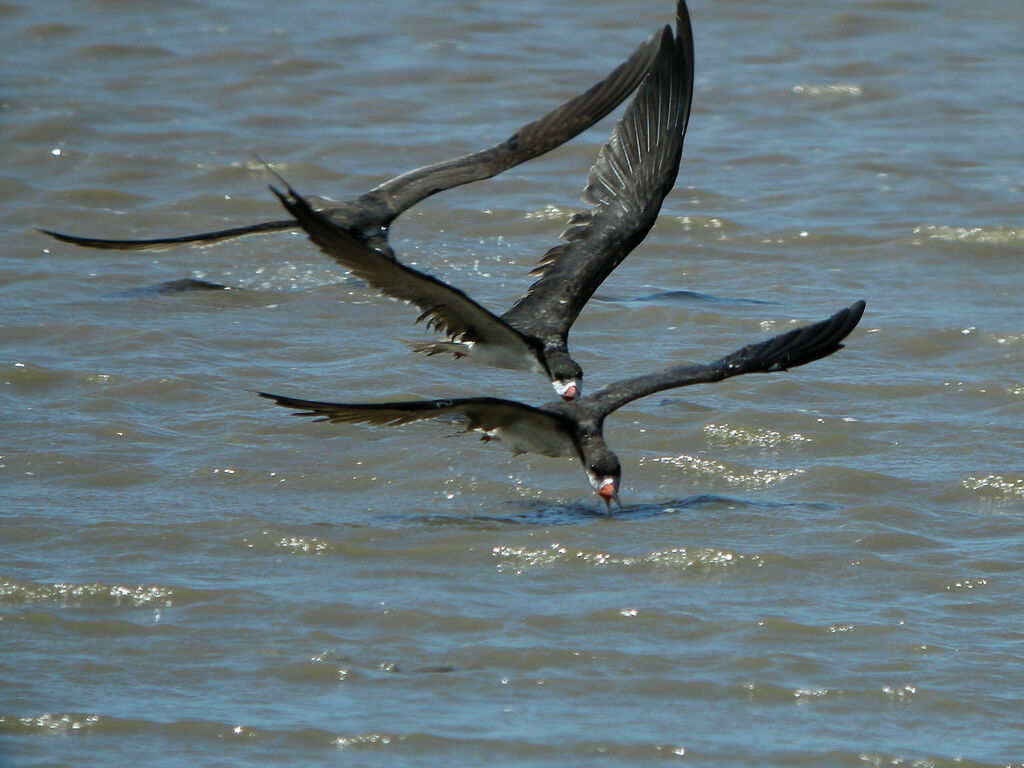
576 428
370 215
633 173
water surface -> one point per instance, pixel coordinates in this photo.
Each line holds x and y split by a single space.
816 568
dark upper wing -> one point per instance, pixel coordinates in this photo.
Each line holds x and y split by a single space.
633 173
527 142
402 192
477 412
528 428
446 309
787 350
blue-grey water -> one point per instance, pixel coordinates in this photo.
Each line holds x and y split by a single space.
817 568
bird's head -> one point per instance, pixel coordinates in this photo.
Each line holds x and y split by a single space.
604 473
566 375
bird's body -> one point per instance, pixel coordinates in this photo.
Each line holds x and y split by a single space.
630 178
576 428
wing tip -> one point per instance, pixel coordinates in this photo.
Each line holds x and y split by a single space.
290 402
796 347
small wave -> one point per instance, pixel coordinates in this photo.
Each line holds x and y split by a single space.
681 297
754 478
994 486
517 558
727 434
845 90
977 235
64 594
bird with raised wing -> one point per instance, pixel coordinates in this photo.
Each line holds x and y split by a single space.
633 173
576 428
370 215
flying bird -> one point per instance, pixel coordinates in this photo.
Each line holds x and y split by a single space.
369 216
575 428
633 173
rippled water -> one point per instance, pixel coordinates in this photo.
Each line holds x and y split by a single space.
816 568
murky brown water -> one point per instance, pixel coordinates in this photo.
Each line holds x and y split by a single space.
816 568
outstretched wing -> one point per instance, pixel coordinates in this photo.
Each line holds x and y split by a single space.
521 427
633 173
163 243
447 310
787 350
529 141
393 197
